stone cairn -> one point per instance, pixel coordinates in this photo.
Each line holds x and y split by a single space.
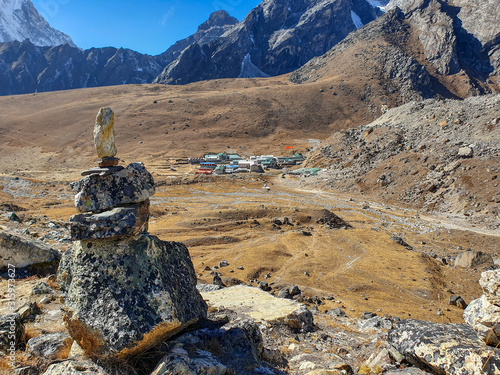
125 290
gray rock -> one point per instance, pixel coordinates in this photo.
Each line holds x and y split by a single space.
294 290
27 370
301 318
338 312
205 288
285 293
50 346
118 222
75 368
465 152
457 301
11 324
471 259
125 296
484 317
132 184
233 349
443 348
41 288
13 217
23 251
483 314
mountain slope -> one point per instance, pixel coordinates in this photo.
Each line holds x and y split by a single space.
276 37
437 155
19 20
26 68
416 53
217 24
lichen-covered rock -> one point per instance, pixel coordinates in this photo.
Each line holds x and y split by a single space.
12 334
50 346
132 184
483 314
125 296
444 348
23 251
118 222
490 283
484 317
104 133
75 368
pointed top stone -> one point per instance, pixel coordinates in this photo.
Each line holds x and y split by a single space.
104 133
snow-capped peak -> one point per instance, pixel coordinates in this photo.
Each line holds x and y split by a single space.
19 20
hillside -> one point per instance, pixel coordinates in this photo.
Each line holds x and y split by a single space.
156 121
435 156
403 58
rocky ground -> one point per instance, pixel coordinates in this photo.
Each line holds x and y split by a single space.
437 156
273 240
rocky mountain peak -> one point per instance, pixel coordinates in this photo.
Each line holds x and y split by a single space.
219 18
19 20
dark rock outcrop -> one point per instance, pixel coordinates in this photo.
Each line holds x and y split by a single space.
443 348
276 37
12 334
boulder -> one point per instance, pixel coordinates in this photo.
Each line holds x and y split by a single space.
51 346
261 306
133 184
127 295
118 222
465 152
444 348
23 251
12 334
235 348
483 314
75 368
332 221
471 259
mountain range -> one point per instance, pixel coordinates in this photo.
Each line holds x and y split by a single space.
418 49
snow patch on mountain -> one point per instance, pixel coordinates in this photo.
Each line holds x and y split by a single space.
356 20
19 20
249 70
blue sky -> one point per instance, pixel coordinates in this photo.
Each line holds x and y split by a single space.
149 26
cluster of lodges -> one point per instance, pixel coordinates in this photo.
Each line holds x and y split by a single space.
224 163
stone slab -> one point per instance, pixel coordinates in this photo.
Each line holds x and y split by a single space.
95 193
118 222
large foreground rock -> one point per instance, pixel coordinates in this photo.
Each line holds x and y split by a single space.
444 348
23 251
133 184
125 296
483 314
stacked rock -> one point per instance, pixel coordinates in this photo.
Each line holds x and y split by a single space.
125 290
483 314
